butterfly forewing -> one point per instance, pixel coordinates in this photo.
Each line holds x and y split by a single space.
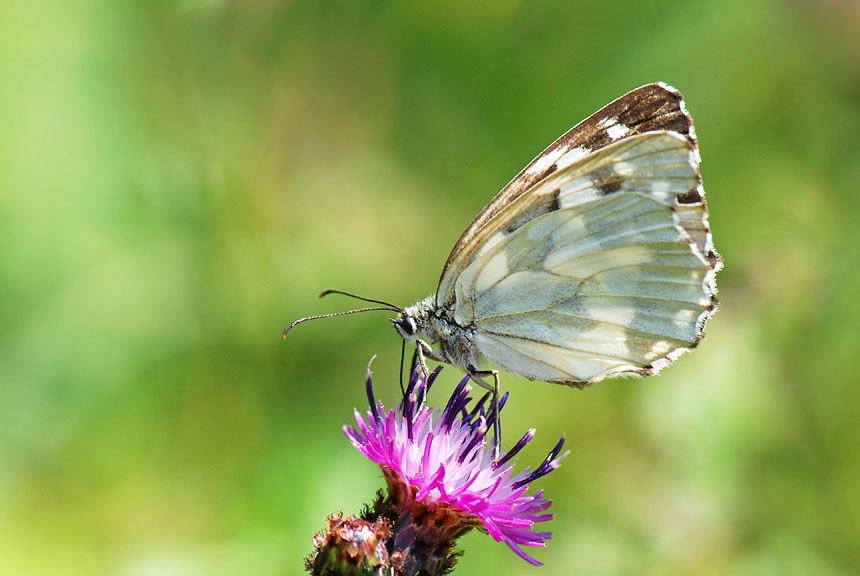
650 108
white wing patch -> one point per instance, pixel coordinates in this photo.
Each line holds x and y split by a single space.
493 271
617 131
614 280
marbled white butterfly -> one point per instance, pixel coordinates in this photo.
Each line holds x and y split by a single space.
596 260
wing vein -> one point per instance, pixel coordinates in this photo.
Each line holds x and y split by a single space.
569 315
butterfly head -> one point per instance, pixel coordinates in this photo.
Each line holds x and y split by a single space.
415 320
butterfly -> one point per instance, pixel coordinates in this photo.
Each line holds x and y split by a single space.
596 260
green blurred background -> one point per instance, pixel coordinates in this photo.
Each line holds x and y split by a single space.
181 178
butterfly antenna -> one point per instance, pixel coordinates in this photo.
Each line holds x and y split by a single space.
357 297
333 314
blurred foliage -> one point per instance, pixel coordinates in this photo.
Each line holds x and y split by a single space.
179 179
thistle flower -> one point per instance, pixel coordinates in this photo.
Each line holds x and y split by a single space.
442 480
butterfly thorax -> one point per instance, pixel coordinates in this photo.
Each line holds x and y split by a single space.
437 326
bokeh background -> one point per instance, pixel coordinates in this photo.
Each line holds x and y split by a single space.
181 178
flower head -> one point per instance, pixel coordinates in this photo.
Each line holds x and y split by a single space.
440 461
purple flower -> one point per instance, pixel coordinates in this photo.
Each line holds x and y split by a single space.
440 461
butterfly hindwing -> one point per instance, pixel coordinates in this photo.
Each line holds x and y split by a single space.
600 268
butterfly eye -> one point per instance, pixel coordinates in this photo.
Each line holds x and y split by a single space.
406 326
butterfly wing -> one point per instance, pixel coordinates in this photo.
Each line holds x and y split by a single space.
602 265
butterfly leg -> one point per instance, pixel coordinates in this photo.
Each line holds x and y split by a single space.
423 350
476 375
